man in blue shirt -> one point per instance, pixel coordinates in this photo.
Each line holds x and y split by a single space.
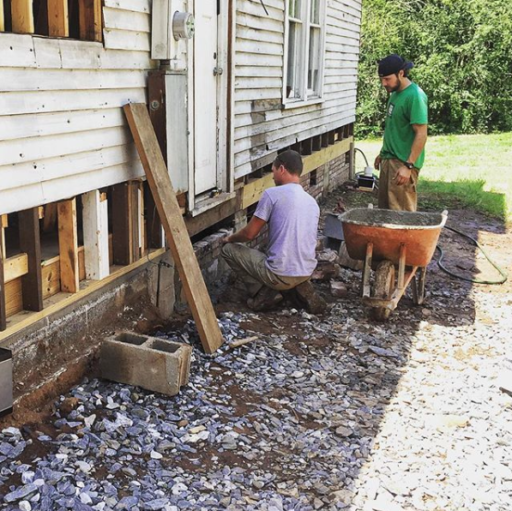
292 218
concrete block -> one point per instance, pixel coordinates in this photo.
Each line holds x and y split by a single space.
5 382
152 363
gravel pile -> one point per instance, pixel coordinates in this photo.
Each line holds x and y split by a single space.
333 412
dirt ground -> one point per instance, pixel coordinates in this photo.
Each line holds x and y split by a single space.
450 303
460 257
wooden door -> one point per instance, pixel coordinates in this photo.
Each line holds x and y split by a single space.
206 111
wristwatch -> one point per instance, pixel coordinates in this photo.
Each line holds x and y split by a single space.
409 165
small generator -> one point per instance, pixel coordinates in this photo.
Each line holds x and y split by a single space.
366 180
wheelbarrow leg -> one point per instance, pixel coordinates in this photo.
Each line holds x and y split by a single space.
383 288
418 287
367 270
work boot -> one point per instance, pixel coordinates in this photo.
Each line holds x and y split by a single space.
309 298
266 299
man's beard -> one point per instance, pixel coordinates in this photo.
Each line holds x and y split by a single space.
395 88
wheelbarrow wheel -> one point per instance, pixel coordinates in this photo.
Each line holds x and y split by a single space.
383 288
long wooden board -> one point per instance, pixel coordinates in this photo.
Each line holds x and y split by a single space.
3 311
174 226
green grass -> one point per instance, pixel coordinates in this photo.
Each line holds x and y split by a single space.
460 171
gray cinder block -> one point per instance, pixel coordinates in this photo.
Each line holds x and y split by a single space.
5 381
154 364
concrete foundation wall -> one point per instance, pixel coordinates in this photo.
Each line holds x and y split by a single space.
42 351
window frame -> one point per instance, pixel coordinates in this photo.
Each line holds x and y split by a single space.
305 97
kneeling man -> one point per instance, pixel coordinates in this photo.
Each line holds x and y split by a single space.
292 217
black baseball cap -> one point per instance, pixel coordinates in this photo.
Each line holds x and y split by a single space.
392 64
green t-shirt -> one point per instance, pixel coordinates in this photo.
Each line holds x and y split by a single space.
407 107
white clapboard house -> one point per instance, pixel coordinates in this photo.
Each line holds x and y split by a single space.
228 84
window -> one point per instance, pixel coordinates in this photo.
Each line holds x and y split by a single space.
76 19
304 49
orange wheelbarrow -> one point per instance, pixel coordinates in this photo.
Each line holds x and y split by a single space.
388 241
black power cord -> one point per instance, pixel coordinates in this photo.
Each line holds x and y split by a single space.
502 272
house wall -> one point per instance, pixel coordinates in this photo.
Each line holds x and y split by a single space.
262 126
62 131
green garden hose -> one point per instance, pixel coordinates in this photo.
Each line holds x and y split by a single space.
502 272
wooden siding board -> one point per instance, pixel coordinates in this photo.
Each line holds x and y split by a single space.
256 9
130 5
74 184
20 51
61 167
15 127
40 148
126 20
123 40
17 103
24 80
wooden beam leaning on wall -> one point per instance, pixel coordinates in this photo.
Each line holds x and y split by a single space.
4 223
174 226
68 246
30 243
58 19
90 20
3 309
95 226
22 13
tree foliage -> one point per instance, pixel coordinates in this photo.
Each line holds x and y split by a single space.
462 54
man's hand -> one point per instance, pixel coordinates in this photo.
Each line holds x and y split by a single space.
402 175
377 162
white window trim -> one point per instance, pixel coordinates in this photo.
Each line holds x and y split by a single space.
317 98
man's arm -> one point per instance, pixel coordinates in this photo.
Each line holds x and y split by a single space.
403 174
377 162
247 233
420 139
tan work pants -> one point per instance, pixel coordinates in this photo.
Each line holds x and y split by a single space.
393 196
249 265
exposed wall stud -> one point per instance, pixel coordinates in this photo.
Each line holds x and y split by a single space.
317 143
58 19
90 20
125 223
142 219
154 231
30 243
95 228
68 246
2 16
22 13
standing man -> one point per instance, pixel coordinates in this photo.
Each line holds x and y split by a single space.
405 135
292 217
